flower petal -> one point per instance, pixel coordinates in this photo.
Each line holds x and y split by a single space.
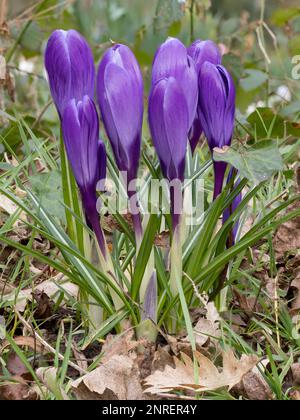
212 104
120 96
168 120
81 130
202 51
172 60
70 67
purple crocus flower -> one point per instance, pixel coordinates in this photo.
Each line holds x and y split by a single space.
201 51
169 125
234 205
120 97
70 67
217 111
87 156
172 60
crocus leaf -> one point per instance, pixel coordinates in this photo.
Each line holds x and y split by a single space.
144 254
254 79
257 164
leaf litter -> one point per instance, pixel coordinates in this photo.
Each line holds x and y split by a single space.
181 378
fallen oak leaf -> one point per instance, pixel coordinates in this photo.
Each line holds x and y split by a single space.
116 379
208 327
51 287
181 378
25 341
9 207
121 344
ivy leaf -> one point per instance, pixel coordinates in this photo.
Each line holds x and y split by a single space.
255 78
234 64
181 377
48 189
257 163
167 12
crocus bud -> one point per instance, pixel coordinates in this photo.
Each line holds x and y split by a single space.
216 112
201 51
120 97
87 156
172 60
168 121
70 67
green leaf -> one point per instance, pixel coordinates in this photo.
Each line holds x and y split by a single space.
222 259
266 123
48 189
281 16
70 198
167 12
234 64
290 109
254 79
257 163
229 26
144 254
294 45
203 241
32 39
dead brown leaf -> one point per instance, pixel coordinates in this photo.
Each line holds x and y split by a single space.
255 388
182 377
287 236
51 287
15 366
208 328
5 288
44 308
116 379
162 358
18 387
295 395
295 368
79 357
24 341
296 286
17 390
121 344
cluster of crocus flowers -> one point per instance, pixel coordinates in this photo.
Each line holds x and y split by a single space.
191 93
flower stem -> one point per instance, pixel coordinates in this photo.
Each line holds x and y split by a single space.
136 218
219 170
